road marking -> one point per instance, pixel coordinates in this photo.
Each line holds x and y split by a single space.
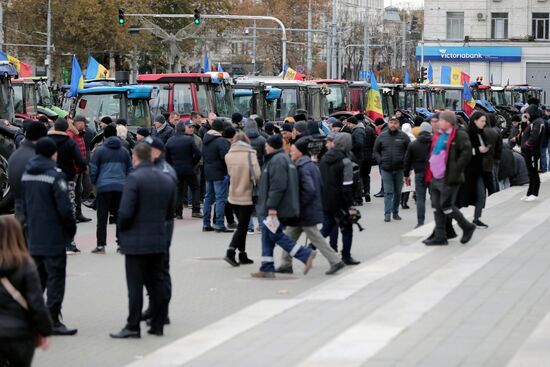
356 345
534 352
201 341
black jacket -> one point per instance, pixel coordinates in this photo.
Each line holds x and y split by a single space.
279 188
213 152
337 177
68 154
164 133
257 142
183 154
531 139
390 149
47 210
368 146
311 207
418 153
16 166
358 137
147 205
203 130
507 165
15 321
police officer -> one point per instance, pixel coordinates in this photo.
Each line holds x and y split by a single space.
147 205
50 222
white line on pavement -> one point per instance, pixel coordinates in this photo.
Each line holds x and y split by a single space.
193 345
358 344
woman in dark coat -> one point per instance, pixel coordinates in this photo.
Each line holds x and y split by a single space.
474 191
24 323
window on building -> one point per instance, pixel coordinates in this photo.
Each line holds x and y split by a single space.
455 26
541 25
499 25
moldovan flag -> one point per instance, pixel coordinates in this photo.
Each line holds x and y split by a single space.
374 101
453 76
95 70
77 79
291 74
23 69
469 102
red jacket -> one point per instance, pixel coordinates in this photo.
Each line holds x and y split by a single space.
79 139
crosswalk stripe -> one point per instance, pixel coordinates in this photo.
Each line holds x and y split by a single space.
358 344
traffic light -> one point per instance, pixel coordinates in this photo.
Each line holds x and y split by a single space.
121 19
197 17
423 74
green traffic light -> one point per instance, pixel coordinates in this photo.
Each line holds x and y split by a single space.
197 21
121 21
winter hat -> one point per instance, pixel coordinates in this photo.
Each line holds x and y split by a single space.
161 119
301 127
379 121
236 117
418 121
154 142
300 117
79 118
352 120
275 141
121 122
343 141
229 132
43 119
338 123
259 122
46 147
360 117
286 127
269 127
35 131
217 125
426 127
302 145
143 131
26 123
109 131
60 125
448 116
107 120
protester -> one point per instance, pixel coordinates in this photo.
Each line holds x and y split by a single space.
408 187
257 141
49 220
278 198
146 206
244 173
366 166
389 151
449 154
142 133
358 137
25 322
109 168
162 128
531 141
77 132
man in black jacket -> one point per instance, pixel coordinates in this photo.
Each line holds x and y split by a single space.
147 205
162 128
337 192
19 159
358 136
278 201
416 159
68 158
389 151
215 172
183 154
49 219
531 140
366 166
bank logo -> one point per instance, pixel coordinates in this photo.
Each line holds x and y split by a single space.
465 55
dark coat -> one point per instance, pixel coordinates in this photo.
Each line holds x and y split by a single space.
183 154
493 140
68 154
531 139
110 165
16 322
146 206
279 188
418 153
257 142
474 170
521 175
213 153
164 133
368 146
47 209
203 130
337 181
311 208
507 165
16 166
358 137
390 149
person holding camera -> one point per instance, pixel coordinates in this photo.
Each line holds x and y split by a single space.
337 191
311 211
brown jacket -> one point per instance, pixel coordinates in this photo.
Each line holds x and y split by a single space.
238 168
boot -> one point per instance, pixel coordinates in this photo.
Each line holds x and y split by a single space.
450 231
404 200
58 327
244 260
230 257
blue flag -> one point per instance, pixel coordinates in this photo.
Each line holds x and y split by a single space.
407 77
445 75
3 56
430 73
220 69
206 63
77 79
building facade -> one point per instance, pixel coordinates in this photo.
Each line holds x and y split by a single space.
506 41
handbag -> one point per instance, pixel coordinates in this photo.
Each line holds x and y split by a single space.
252 179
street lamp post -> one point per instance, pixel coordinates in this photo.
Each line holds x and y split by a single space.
49 44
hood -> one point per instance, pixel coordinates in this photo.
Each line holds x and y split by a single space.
424 137
303 160
210 136
241 146
334 155
113 142
252 133
39 164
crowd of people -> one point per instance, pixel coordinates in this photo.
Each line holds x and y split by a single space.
299 177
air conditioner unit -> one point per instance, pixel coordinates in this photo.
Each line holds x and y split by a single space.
480 17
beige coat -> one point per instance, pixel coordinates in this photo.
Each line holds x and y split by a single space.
240 184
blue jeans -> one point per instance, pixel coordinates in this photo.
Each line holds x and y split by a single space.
544 159
330 227
393 184
420 189
269 240
216 192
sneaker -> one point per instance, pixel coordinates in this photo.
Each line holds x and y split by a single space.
387 218
72 250
335 268
523 198
531 198
480 224
207 229
396 217
232 225
196 215
350 261
379 194
99 250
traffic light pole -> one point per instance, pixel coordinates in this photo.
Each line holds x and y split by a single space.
229 17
